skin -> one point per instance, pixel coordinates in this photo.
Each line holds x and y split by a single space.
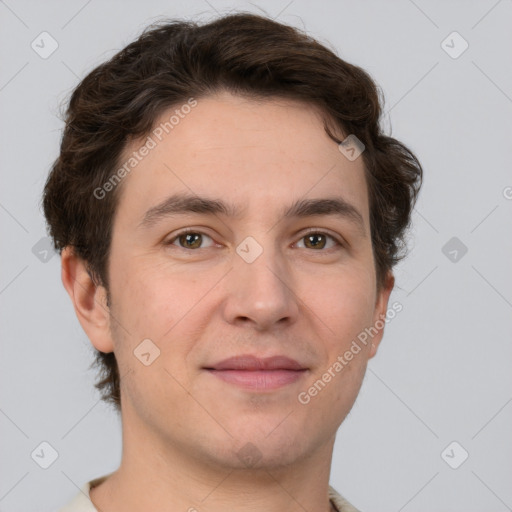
183 428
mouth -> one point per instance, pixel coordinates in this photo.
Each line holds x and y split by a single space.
260 374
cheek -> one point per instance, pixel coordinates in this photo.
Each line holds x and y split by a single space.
150 298
345 302
149 305
335 384
157 303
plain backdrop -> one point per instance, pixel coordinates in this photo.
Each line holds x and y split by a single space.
440 387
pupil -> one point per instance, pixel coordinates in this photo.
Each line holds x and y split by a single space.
189 237
315 237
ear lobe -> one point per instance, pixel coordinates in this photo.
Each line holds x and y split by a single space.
381 307
89 300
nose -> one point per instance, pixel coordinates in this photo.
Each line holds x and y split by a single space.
261 293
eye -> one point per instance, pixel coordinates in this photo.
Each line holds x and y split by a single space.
189 239
193 239
318 240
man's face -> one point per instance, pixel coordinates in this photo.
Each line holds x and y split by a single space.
259 283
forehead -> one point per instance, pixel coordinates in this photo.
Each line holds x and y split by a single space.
256 152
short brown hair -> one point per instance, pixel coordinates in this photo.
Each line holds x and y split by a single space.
175 60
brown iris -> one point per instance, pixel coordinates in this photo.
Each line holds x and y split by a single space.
191 240
314 238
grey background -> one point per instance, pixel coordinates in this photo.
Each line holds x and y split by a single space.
442 373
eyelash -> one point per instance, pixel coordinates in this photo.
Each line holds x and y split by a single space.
310 231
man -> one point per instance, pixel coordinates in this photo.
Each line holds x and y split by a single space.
228 213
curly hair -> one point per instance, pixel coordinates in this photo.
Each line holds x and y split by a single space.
174 60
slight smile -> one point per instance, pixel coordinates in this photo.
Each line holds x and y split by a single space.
259 374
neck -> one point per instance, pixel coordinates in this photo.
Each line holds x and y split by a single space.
158 474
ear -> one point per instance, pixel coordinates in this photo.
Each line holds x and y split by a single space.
89 300
381 307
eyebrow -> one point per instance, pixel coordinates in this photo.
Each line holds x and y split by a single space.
184 203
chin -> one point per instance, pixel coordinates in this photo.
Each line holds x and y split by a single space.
269 449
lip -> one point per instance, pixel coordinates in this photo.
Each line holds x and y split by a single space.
260 374
252 363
